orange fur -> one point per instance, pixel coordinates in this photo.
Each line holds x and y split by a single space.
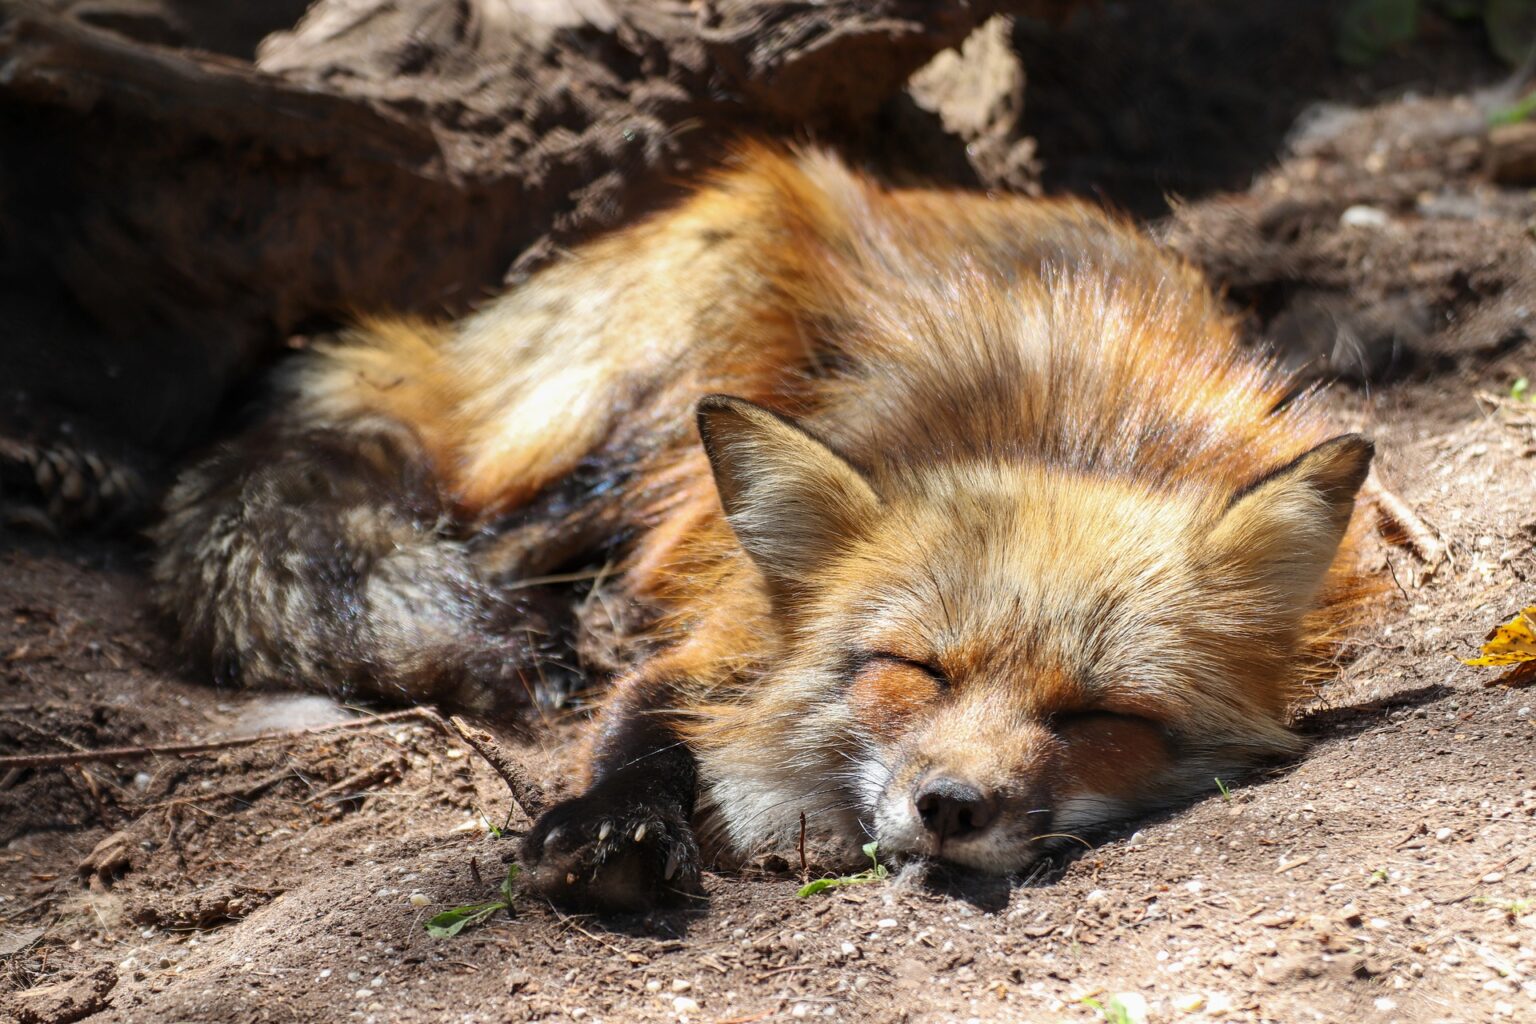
1033 466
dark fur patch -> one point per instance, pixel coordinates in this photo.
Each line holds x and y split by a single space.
319 558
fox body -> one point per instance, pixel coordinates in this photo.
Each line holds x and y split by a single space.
955 521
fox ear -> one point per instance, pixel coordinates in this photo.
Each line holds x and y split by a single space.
790 499
1283 531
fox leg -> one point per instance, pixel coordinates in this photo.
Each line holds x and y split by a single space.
627 843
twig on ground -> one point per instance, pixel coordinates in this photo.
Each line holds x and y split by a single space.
69 757
1403 524
349 786
805 871
525 792
246 791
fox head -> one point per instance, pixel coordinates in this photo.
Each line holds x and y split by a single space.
976 656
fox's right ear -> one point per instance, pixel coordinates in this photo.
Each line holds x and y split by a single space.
1283 531
791 500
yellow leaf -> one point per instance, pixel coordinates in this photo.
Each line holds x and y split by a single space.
1513 643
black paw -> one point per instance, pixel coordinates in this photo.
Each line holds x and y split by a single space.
612 849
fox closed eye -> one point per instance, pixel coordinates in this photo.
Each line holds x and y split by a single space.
1068 719
932 671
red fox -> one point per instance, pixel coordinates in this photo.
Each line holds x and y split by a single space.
957 522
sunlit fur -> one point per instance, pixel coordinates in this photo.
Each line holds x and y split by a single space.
1011 533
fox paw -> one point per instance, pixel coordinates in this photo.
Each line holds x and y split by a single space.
46 487
612 850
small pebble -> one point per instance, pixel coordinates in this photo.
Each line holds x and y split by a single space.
653 985
1443 835
1138 838
685 1004
886 922
420 900
681 985
1362 216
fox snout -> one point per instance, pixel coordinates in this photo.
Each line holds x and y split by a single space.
960 820
951 808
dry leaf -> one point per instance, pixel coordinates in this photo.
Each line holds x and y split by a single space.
1513 644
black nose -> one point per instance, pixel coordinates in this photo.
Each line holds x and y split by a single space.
952 809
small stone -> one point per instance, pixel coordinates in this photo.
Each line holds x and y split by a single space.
685 1004
681 985
849 950
1362 216
653 985
1138 838
362 993
886 922
419 900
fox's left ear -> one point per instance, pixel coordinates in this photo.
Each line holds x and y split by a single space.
1282 532
792 501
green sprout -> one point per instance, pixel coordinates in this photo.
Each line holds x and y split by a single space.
450 922
1226 794
876 873
1118 1010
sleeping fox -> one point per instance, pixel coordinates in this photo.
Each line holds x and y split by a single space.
954 521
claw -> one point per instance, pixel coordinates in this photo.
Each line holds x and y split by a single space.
604 832
73 487
672 865
640 834
549 840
